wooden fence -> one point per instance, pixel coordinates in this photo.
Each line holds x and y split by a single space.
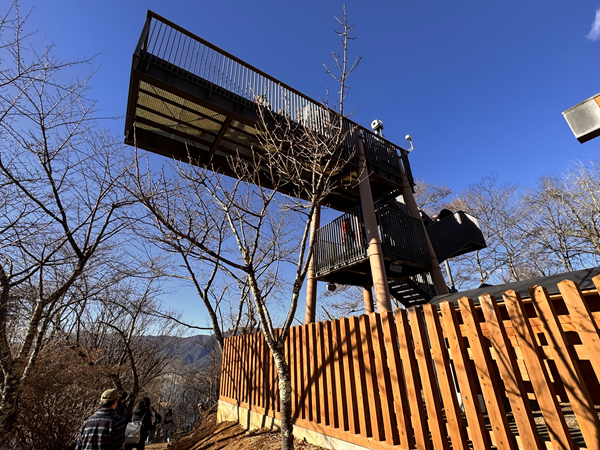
510 373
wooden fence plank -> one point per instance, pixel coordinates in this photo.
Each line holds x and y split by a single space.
348 349
237 365
371 379
276 382
538 374
466 379
233 361
295 369
320 375
437 425
583 320
332 407
439 353
308 368
302 363
511 375
298 346
383 379
577 391
483 361
413 385
243 369
339 369
362 397
314 367
224 375
397 380
260 376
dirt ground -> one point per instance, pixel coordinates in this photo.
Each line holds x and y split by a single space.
210 435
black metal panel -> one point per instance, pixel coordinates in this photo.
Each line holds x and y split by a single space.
455 235
341 244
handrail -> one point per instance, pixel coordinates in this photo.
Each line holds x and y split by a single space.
341 242
175 45
402 236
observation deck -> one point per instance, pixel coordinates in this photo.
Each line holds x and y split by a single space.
187 96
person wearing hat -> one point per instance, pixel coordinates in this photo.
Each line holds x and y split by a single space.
105 429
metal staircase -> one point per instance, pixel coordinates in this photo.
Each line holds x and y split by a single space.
413 290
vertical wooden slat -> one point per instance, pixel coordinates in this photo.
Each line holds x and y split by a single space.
224 374
348 342
339 371
371 379
301 372
267 376
483 361
577 391
253 368
293 340
466 379
261 372
314 364
320 375
332 407
362 397
413 385
289 357
538 374
511 375
384 382
276 382
308 367
437 425
583 320
232 362
397 380
243 366
444 376
235 369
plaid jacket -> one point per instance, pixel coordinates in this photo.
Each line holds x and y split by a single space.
104 430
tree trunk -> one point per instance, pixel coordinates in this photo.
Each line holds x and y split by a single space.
285 396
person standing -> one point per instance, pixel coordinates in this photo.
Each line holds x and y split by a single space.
168 425
105 429
121 403
141 413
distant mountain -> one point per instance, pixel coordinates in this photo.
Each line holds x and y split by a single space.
194 349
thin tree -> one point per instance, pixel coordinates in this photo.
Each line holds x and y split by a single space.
59 204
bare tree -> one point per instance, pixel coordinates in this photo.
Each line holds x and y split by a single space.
431 197
245 225
506 226
60 202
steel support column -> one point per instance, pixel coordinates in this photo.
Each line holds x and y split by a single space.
311 281
368 298
382 294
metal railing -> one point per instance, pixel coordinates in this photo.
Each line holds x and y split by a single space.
402 236
168 45
343 242
425 282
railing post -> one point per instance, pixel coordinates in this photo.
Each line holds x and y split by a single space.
436 273
311 280
382 294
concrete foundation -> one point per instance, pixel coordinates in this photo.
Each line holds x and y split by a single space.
251 420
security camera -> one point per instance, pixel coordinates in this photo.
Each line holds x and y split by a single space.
409 139
377 126
331 287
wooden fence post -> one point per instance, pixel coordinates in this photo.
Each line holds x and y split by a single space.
580 399
502 435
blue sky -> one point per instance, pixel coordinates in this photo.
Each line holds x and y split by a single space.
479 85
